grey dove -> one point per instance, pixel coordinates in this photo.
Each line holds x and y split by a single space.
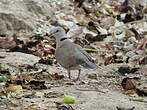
68 54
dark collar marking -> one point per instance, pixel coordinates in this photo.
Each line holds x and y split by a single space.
62 39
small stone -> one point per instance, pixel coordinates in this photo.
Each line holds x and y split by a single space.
124 70
92 75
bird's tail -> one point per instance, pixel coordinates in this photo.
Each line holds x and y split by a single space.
89 65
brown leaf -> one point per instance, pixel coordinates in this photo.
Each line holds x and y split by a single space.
125 7
37 84
21 79
32 107
129 83
141 89
17 89
65 107
56 76
92 38
107 22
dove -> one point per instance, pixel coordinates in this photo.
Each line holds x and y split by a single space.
69 55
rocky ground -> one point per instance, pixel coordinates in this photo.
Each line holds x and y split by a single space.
101 91
114 33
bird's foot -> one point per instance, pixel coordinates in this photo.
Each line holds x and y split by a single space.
77 79
73 79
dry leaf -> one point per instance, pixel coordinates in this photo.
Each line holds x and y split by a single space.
32 107
17 89
129 83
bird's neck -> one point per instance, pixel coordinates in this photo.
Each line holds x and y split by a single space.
60 41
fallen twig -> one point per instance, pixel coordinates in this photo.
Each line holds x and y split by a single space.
95 50
83 89
139 100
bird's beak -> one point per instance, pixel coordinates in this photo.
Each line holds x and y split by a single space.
49 36
52 34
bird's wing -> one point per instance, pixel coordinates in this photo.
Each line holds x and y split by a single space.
79 48
83 58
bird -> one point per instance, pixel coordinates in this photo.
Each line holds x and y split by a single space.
69 55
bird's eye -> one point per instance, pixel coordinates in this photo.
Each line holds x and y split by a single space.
57 31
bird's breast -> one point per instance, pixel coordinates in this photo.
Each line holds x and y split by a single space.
65 57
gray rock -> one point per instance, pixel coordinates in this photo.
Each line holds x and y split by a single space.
13 60
10 22
22 15
17 58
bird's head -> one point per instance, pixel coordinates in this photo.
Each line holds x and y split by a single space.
57 32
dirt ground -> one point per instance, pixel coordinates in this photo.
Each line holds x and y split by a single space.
98 93
102 92
114 32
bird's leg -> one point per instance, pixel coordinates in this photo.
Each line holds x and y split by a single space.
69 74
78 78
